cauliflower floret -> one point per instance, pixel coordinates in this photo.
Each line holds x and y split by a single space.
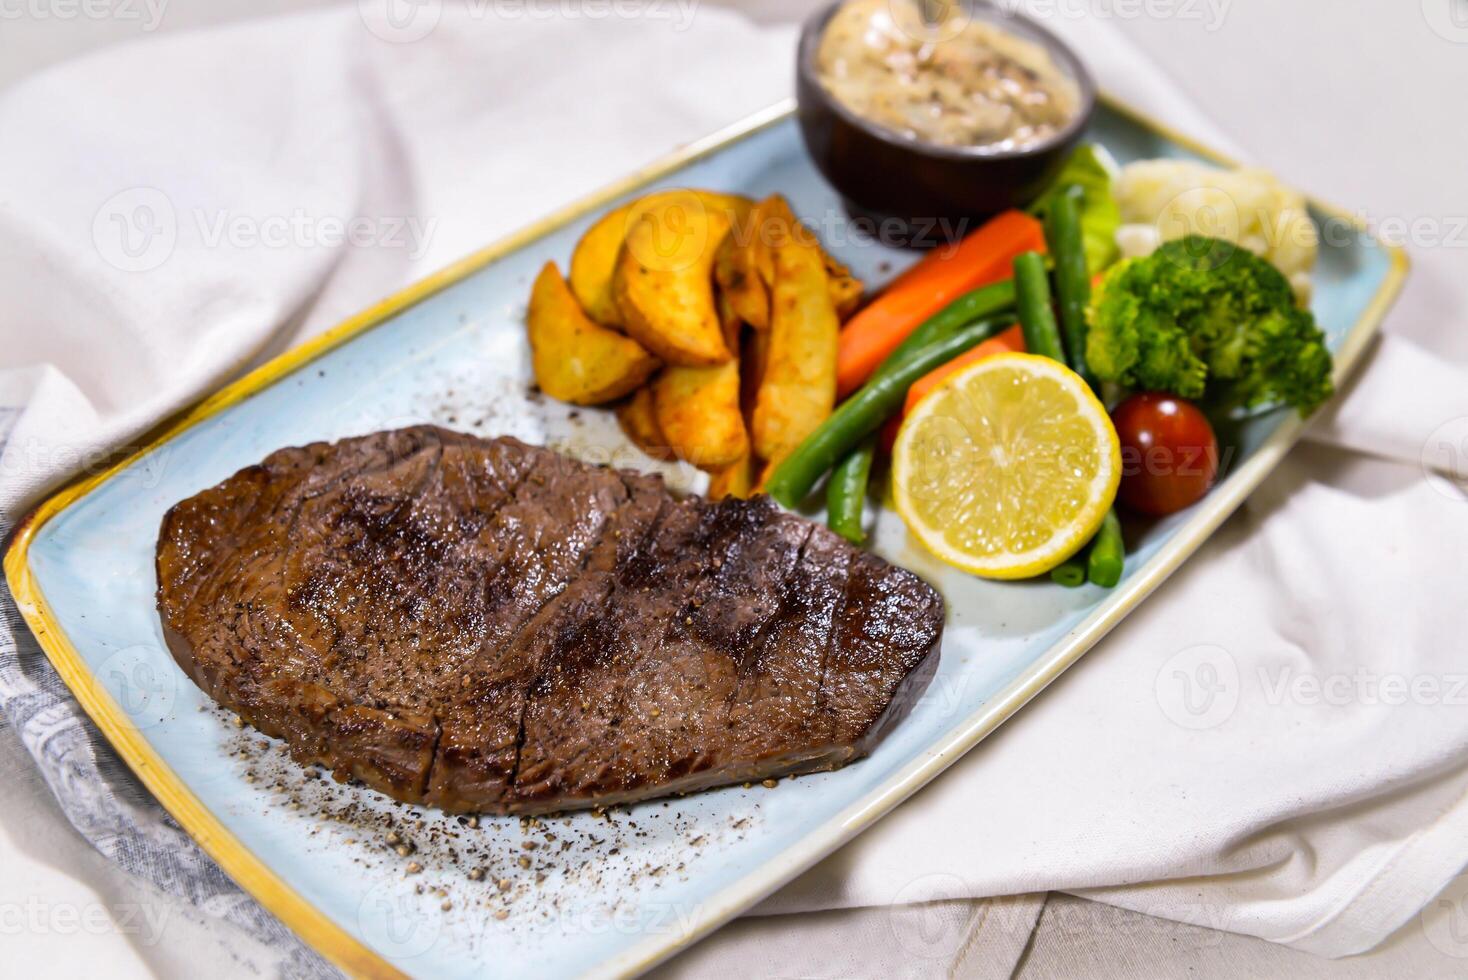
1249 206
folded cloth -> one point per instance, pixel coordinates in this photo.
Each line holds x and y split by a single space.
1239 754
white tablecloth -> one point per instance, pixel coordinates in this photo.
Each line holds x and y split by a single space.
1303 804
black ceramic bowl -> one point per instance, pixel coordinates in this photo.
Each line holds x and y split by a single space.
918 189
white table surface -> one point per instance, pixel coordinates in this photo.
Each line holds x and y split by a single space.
1357 100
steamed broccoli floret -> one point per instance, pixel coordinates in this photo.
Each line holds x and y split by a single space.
1203 318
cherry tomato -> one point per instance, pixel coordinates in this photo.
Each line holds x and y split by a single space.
1169 454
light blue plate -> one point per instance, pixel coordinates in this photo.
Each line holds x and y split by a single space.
609 894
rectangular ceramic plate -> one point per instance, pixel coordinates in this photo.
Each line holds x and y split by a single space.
610 894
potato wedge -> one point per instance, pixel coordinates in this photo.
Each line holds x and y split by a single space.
729 321
846 289
737 273
697 410
797 390
763 472
664 279
639 423
754 354
771 223
735 480
576 360
594 260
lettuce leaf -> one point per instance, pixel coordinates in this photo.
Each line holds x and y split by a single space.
1100 216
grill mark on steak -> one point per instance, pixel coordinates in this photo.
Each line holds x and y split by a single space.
575 716
484 625
779 700
376 550
662 716
604 555
492 750
882 641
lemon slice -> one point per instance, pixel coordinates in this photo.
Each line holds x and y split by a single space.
1007 468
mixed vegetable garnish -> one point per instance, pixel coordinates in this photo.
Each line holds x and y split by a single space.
1201 326
1206 319
981 375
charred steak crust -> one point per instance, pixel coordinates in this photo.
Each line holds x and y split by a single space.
483 625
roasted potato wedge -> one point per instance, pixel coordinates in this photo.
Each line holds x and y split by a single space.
754 353
697 410
735 480
729 321
639 423
576 360
737 273
594 260
770 225
664 279
846 289
797 388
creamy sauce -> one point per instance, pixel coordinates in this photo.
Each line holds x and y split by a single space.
960 81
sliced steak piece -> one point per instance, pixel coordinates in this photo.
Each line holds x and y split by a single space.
483 625
879 661
775 717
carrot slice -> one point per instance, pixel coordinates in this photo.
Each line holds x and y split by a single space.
942 276
1011 340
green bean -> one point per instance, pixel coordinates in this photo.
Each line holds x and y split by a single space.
1108 553
1071 573
1072 278
846 492
864 412
1036 318
1105 557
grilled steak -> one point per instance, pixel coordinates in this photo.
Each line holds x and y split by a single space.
487 626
